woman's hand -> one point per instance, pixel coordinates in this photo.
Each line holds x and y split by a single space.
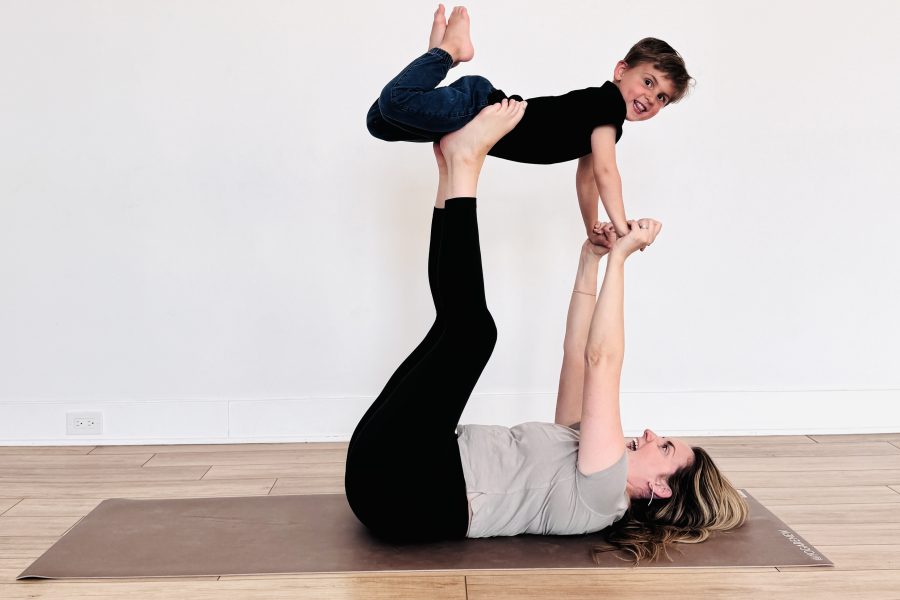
653 225
643 232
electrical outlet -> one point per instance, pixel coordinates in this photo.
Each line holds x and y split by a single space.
86 423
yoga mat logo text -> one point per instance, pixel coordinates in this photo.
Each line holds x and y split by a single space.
810 552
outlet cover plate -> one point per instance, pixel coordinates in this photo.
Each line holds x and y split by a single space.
84 423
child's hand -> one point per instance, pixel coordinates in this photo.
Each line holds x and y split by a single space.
601 238
598 234
621 233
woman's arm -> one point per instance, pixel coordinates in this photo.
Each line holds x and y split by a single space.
601 423
581 307
601 442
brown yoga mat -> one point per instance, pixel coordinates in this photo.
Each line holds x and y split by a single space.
319 534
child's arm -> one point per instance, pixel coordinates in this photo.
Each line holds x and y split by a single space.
586 189
606 176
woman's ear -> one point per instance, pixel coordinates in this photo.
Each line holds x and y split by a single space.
662 490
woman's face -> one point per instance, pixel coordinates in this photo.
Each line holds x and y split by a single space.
652 460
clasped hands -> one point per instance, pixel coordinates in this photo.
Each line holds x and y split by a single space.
642 233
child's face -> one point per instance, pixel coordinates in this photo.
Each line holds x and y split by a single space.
645 89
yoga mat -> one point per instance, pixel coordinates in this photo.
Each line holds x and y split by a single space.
319 534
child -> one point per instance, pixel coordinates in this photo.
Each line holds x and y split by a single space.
583 124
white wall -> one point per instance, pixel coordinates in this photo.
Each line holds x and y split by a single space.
199 238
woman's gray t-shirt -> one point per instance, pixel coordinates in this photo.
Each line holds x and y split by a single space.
525 479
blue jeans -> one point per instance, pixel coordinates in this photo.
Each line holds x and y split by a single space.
412 109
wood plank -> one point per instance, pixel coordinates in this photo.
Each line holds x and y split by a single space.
815 495
42 507
308 485
858 558
549 572
40 526
848 534
276 471
757 450
11 567
143 489
853 438
743 439
810 463
44 450
845 512
823 584
288 457
25 546
218 448
74 461
349 575
407 587
101 475
837 513
750 479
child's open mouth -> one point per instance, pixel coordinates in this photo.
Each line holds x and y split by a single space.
639 108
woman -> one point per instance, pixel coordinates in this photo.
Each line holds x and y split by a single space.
414 474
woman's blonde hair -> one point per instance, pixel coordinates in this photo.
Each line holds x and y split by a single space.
703 501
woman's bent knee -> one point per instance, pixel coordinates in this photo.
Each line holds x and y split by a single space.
477 332
488 331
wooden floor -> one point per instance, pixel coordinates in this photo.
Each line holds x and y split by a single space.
842 493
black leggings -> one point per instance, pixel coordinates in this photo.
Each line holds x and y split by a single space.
404 478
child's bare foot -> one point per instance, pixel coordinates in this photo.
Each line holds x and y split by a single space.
438 27
472 142
457 42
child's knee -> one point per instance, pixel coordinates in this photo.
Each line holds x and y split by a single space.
389 103
372 120
381 129
475 86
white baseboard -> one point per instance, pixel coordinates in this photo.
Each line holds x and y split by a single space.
748 413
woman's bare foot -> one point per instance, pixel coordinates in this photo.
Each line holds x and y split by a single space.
473 141
438 27
457 42
466 149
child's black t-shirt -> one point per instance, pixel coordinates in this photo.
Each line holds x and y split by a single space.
558 128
